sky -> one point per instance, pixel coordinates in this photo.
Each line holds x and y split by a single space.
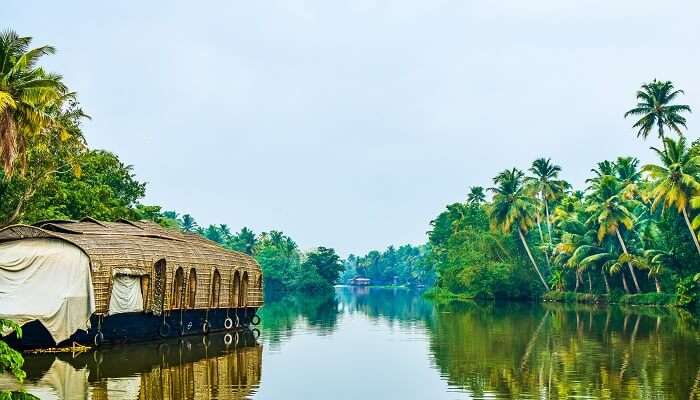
352 124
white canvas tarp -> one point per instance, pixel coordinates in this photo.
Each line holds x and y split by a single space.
46 280
126 294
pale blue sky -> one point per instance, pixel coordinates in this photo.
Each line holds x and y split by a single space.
352 124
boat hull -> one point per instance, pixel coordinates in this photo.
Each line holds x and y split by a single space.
138 327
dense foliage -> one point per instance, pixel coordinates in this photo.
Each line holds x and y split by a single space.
633 229
285 267
407 265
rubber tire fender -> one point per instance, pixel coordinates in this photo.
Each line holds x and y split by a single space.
98 339
164 330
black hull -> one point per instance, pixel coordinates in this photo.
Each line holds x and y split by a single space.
138 327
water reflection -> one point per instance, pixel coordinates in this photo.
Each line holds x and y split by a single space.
282 315
393 344
489 350
555 351
211 367
391 305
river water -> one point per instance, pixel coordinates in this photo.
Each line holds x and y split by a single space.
367 343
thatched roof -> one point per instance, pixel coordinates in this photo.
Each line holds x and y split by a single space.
135 246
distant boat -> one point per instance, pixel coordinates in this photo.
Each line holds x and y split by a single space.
95 283
360 281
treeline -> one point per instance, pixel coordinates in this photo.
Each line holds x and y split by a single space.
632 230
407 265
286 268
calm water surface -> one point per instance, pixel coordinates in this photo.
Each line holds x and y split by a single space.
392 344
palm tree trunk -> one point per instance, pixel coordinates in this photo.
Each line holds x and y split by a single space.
549 224
658 286
590 284
577 280
605 279
539 228
660 124
624 282
690 228
532 260
629 264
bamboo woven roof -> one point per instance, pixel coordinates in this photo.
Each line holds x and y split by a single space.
135 246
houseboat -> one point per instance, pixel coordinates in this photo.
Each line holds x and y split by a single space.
360 281
92 283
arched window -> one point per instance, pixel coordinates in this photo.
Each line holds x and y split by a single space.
235 289
178 286
215 289
145 287
158 287
243 295
192 288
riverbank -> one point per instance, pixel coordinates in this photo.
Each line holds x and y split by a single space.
642 299
440 295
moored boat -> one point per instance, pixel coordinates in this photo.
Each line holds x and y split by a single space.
93 283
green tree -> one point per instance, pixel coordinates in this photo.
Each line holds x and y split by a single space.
243 241
225 232
28 97
213 233
54 157
657 262
675 180
608 212
476 195
655 108
326 263
105 189
512 209
188 223
545 183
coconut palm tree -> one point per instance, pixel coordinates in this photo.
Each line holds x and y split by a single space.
244 241
609 211
188 224
588 256
476 195
512 208
614 265
225 232
603 168
627 171
675 181
547 186
657 261
574 234
655 108
28 94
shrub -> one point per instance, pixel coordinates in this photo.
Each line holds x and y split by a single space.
649 299
571 297
687 291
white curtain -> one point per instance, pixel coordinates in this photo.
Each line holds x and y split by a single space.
46 280
126 294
